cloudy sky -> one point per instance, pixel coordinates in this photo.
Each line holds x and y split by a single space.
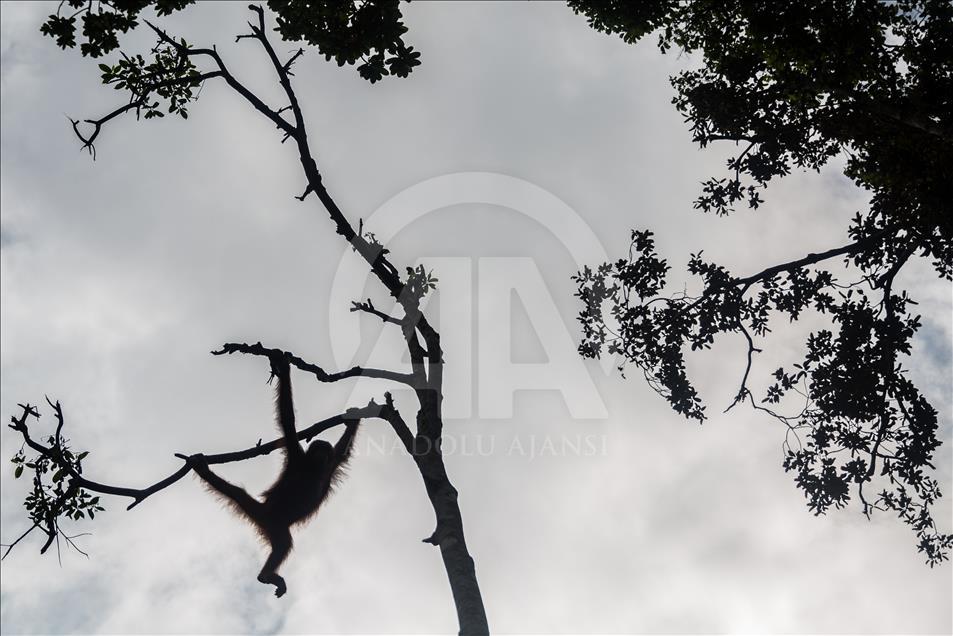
524 146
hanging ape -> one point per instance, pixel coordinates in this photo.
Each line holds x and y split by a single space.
303 484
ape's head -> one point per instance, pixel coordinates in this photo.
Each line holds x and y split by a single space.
319 452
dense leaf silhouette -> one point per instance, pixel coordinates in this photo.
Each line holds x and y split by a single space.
343 30
794 85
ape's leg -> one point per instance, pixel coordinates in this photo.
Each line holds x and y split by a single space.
234 495
280 540
279 537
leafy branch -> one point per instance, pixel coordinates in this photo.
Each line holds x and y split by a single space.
863 422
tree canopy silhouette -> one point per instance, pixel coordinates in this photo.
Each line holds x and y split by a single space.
366 32
793 85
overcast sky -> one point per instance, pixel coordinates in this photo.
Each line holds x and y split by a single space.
524 143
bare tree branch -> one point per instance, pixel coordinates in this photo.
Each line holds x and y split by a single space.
258 349
140 494
373 253
368 307
392 416
811 259
10 546
137 104
743 389
250 97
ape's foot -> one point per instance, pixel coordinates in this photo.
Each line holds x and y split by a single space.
276 580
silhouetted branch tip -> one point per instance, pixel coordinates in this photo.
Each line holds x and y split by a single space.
368 307
308 190
287 65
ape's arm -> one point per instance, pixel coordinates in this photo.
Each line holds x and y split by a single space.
344 445
281 369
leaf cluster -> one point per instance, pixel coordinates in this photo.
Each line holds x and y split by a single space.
52 495
165 76
102 22
348 31
419 282
56 494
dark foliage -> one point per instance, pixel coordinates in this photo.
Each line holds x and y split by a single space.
59 493
795 84
343 30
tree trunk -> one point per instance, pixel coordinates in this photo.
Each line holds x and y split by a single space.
453 548
448 535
